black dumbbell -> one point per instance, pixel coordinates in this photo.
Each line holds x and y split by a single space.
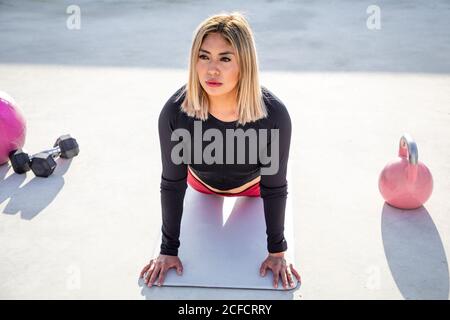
42 164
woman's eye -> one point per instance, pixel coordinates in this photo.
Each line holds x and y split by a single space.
203 56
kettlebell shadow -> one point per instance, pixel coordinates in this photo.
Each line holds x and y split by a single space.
415 253
37 194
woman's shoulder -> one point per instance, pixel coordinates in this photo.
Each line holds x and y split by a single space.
276 109
178 97
172 107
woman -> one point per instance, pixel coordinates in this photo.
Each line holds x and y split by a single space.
222 94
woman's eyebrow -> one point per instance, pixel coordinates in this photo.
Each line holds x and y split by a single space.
222 53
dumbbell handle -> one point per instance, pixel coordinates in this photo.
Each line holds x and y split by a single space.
54 152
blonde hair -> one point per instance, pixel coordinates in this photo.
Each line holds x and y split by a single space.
236 30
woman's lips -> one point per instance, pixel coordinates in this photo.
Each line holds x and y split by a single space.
213 84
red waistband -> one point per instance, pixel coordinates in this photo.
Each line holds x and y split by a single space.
252 191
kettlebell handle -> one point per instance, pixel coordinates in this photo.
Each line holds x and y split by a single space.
408 148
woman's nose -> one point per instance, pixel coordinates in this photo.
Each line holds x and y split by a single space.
212 68
213 73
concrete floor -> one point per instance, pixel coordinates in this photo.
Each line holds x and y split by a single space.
87 231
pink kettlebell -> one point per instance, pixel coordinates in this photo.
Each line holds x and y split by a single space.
12 127
406 183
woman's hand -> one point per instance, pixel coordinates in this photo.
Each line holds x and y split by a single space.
160 266
278 265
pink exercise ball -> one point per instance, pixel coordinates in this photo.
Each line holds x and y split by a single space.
12 127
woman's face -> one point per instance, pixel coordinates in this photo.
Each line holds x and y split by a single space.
217 61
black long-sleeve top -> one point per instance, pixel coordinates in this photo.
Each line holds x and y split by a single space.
223 174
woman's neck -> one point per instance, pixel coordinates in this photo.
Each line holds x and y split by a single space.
223 105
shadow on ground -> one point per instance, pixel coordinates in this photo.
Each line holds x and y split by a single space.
34 196
415 253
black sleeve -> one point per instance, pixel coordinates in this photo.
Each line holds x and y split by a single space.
274 187
173 181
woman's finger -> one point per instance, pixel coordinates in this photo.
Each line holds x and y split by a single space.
262 269
295 273
284 277
276 276
147 276
149 272
145 269
180 269
162 275
154 275
289 278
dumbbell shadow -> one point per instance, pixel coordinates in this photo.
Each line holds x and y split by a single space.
9 185
34 196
